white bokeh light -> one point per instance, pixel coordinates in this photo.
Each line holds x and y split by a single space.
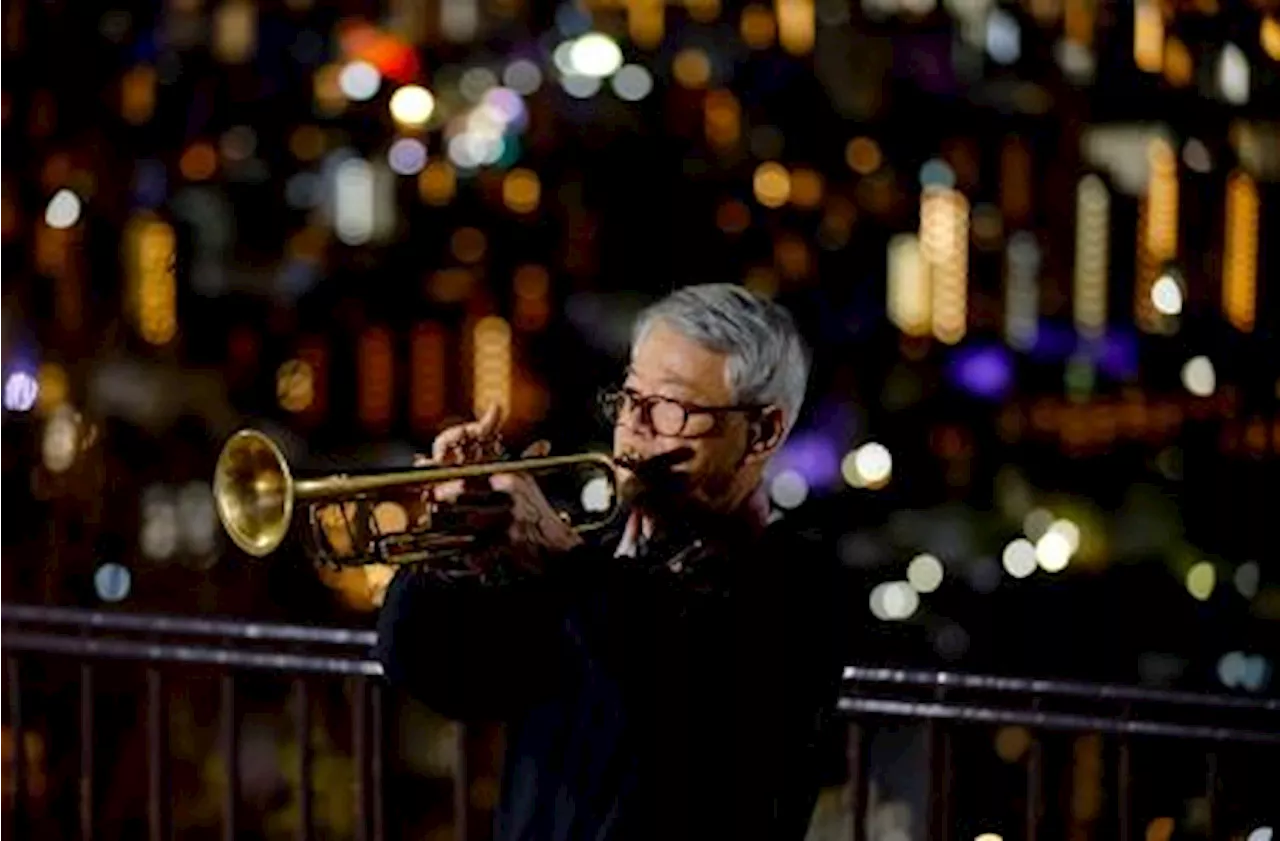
893 601
359 81
522 76
924 573
407 156
1262 833
1166 295
1053 552
1036 523
580 87
1069 531
1019 558
596 55
869 466
597 495
20 391
112 582
63 210
789 489
632 83
412 105
1198 376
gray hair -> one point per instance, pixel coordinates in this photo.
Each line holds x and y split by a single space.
768 360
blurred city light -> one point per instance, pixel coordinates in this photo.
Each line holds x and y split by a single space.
112 582
596 55
1201 580
1240 265
491 365
1053 552
1263 833
63 210
1166 295
1199 377
597 495
868 466
407 156
412 106
772 184
632 83
522 76
789 489
359 81
1233 75
893 601
1019 558
925 573
20 391
1246 579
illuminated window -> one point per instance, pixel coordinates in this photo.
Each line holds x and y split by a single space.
376 365
491 372
1240 266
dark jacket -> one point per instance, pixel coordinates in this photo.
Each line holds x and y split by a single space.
678 696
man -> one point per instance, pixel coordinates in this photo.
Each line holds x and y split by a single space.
667 681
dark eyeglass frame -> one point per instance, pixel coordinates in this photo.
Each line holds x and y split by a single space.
614 401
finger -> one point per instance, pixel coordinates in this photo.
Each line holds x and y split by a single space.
446 442
537 449
488 423
423 460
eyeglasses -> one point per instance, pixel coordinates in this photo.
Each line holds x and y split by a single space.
667 416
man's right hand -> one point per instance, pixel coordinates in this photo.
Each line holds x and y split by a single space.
534 526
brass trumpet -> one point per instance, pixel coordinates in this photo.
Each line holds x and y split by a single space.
255 493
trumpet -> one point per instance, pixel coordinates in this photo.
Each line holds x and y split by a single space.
256 494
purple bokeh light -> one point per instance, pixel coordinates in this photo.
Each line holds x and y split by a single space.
983 370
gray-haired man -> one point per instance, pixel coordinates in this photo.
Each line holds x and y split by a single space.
668 681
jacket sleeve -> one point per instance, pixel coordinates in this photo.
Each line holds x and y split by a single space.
471 646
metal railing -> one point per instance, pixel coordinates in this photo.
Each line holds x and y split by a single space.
938 699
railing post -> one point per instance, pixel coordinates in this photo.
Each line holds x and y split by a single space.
18 731
302 723
856 753
379 746
461 788
1124 770
230 757
86 752
157 791
358 725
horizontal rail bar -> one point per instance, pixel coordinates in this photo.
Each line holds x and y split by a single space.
197 654
978 714
150 623
1046 688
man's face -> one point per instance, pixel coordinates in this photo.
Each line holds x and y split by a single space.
722 470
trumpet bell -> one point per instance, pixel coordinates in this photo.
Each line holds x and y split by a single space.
254 492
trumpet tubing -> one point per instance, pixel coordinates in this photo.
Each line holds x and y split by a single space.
256 493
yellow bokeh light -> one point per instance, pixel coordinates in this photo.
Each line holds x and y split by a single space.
796 30
1178 66
521 190
692 68
1240 266
329 99
1148 35
1269 36
646 22
295 386
862 154
806 188
307 143
703 11
1201 579
1093 212
198 162
152 293
491 376
722 118
771 184
54 388
468 245
944 252
412 106
758 27
138 94
437 183
1161 829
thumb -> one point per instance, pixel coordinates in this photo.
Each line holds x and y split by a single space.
537 449
488 422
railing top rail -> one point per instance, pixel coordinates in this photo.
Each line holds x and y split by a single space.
159 624
1044 687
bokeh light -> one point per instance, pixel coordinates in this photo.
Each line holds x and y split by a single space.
63 210
412 106
894 601
1201 580
359 81
1199 377
1019 558
925 573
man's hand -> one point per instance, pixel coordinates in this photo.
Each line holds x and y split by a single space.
534 526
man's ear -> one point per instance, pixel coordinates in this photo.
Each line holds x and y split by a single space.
765 433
